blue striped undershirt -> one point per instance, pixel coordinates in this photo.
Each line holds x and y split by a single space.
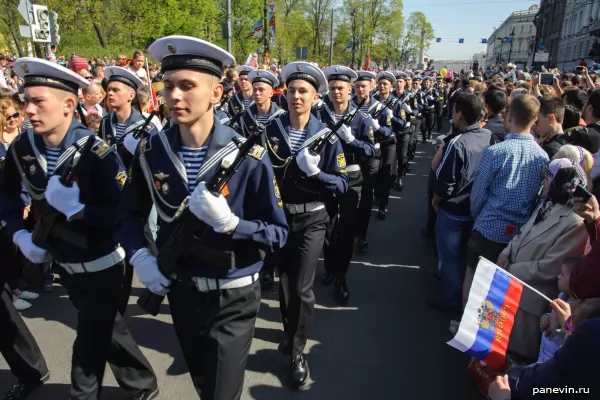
119 129
297 138
52 154
247 103
192 160
262 119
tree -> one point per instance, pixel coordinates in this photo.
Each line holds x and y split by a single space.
318 17
421 29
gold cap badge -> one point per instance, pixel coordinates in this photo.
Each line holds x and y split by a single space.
298 67
25 68
171 48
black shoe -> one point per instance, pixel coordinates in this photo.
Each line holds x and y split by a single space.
407 168
341 293
444 308
285 347
327 278
146 395
363 245
299 371
399 185
381 214
21 391
267 280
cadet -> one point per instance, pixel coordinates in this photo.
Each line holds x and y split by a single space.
402 135
261 109
429 98
357 143
323 176
417 119
382 125
81 243
214 295
242 99
440 106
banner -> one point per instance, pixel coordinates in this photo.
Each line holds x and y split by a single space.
271 18
256 32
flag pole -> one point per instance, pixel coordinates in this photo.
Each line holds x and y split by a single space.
517 279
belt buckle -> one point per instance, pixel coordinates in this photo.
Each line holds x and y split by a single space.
202 284
294 209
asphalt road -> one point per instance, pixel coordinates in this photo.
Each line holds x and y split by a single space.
386 344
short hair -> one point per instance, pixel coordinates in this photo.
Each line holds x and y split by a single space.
553 105
594 101
470 106
93 122
230 73
495 99
86 90
97 70
524 109
575 97
572 117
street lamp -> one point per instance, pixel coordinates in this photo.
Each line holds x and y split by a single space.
512 40
353 15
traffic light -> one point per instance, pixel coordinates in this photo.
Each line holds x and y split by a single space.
41 24
54 36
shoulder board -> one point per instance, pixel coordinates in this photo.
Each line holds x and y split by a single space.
145 144
101 148
333 139
257 152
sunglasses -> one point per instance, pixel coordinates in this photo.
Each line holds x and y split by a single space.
89 78
15 116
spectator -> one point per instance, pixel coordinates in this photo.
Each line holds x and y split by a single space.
495 102
585 281
589 138
92 97
549 125
506 187
454 179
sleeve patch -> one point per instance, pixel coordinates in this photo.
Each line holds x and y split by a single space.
102 150
276 189
145 145
371 134
257 152
341 160
121 178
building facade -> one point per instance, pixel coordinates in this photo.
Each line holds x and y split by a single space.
579 34
512 41
549 24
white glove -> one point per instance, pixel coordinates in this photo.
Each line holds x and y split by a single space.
64 199
214 211
345 133
376 125
390 114
130 143
35 254
308 163
430 98
146 268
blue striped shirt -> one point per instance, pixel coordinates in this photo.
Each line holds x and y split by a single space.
119 129
297 138
192 160
247 103
507 184
52 154
262 119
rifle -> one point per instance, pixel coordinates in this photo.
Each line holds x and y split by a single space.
293 176
175 247
139 132
388 104
81 115
51 225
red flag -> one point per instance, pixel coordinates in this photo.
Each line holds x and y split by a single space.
368 62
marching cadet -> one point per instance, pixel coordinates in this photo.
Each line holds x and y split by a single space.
416 119
279 97
214 295
382 125
81 243
429 97
403 134
440 106
117 125
242 99
358 145
290 136
262 108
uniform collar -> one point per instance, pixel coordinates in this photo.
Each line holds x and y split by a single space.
133 118
219 137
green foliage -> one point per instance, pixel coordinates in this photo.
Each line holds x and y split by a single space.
98 28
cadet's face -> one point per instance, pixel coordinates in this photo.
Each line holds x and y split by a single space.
47 108
119 94
244 82
416 84
427 84
190 95
400 84
261 92
408 83
300 96
384 86
362 89
339 91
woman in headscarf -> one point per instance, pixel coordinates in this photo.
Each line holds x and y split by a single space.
535 255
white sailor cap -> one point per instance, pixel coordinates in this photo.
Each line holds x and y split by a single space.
386 75
267 77
186 52
400 75
428 78
244 70
365 76
306 72
340 73
38 72
120 74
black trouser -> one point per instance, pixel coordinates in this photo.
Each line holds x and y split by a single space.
427 124
402 145
297 265
215 330
369 169
431 214
384 175
17 345
103 337
414 135
341 230
126 287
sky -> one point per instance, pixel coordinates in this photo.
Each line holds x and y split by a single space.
468 19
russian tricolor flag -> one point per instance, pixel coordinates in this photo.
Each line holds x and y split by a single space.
488 319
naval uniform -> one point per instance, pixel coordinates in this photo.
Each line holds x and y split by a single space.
307 217
220 116
403 134
214 292
342 210
428 99
92 273
250 120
